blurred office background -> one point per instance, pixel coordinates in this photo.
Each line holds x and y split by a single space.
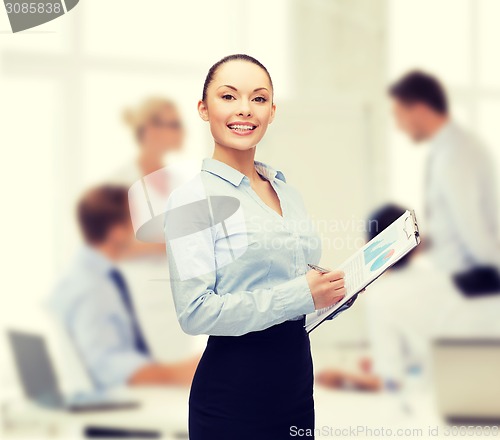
64 85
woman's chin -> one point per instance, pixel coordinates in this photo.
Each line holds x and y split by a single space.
240 146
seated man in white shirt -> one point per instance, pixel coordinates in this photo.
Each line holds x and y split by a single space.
460 196
95 307
405 308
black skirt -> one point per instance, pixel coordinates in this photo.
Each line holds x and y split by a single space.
255 386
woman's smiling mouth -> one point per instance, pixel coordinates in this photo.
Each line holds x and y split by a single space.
241 128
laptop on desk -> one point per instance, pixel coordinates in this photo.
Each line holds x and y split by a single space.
467 380
39 381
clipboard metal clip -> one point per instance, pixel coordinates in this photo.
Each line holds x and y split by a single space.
415 231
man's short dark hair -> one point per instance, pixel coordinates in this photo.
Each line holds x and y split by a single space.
382 218
100 209
420 87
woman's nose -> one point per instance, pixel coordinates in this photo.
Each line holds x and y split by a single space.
245 110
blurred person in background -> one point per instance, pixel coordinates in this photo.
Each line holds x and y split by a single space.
405 309
460 194
158 130
94 305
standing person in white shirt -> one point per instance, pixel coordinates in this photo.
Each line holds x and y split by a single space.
158 130
460 197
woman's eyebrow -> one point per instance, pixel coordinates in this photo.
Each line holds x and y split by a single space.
235 89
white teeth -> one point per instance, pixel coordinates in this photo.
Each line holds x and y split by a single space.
241 127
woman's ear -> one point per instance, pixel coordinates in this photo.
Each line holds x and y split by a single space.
273 112
202 110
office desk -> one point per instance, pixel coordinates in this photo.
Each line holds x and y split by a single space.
338 414
375 415
162 409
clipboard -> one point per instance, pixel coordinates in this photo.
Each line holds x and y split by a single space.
375 257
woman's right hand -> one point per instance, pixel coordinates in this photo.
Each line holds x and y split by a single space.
326 288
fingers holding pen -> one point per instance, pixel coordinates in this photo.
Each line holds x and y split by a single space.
326 288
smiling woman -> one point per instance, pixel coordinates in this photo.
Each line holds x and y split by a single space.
255 379
237 100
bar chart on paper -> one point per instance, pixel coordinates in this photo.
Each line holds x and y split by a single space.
371 261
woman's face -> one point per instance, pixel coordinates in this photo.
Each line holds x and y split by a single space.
164 132
238 105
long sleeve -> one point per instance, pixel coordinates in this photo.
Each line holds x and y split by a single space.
201 310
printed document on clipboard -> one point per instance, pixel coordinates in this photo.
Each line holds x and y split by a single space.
371 261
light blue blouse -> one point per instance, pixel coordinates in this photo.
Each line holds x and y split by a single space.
236 265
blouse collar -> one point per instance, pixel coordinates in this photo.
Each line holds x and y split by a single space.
234 176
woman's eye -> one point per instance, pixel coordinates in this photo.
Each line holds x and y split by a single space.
260 99
228 97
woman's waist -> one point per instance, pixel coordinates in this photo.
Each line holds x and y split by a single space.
292 329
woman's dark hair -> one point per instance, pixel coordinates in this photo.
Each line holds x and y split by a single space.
242 57
381 219
417 86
